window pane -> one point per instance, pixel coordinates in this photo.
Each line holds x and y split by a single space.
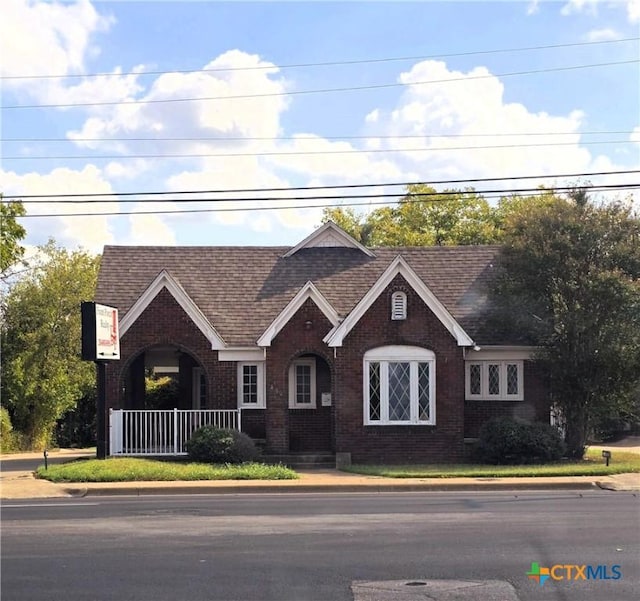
250 384
374 391
399 392
475 378
512 378
494 379
423 392
303 384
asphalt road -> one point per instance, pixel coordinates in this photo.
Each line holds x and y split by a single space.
312 546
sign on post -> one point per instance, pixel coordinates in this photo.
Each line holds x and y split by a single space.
100 337
100 343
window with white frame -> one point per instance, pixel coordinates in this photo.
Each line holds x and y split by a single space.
399 386
494 380
302 383
398 306
251 385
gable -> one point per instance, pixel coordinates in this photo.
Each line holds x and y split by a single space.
163 281
329 236
399 266
308 291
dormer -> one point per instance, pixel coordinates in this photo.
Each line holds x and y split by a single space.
329 236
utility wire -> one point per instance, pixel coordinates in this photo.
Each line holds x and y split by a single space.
314 137
418 195
318 91
301 152
321 64
412 198
327 187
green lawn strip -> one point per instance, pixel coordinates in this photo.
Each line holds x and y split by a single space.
124 469
592 465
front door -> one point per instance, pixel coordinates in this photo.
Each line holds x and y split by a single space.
310 405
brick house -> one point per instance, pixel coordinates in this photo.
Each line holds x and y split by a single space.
384 354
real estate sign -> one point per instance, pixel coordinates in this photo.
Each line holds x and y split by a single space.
100 336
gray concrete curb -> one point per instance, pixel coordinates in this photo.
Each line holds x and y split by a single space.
96 491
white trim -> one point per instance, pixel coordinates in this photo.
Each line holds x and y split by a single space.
308 291
413 355
261 389
293 401
249 354
484 380
329 235
399 266
165 280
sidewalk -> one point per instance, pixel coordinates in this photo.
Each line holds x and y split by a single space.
22 484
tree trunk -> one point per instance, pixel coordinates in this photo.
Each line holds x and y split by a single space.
575 434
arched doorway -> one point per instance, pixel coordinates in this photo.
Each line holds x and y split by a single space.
310 404
164 377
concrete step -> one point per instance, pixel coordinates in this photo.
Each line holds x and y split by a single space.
302 460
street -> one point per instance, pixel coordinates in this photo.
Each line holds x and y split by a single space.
312 546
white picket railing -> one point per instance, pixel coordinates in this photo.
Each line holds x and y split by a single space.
148 432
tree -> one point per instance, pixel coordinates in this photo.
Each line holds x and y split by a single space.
11 232
425 217
571 273
42 374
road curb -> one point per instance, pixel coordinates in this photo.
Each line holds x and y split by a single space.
320 488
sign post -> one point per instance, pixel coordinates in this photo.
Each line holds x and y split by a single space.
100 344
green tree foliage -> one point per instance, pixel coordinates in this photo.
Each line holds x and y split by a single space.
42 374
425 217
11 233
571 272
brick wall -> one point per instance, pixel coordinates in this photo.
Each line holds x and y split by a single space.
164 322
307 429
534 407
396 444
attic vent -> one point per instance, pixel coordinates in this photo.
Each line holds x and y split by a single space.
398 306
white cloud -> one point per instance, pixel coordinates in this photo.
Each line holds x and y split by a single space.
633 11
602 35
533 7
90 232
148 229
578 6
458 121
590 7
42 38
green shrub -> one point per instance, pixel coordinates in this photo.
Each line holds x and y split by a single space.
77 427
8 440
506 441
161 393
216 445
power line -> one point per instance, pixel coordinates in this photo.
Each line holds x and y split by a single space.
442 197
327 187
311 137
318 91
302 152
321 64
445 193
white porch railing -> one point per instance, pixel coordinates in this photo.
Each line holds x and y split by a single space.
147 432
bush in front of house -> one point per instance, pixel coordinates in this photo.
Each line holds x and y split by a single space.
217 445
507 441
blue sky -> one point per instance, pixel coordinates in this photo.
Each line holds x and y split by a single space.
469 103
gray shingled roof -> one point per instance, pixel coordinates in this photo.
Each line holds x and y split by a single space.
242 289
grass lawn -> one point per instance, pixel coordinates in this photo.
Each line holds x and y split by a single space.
592 465
126 469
